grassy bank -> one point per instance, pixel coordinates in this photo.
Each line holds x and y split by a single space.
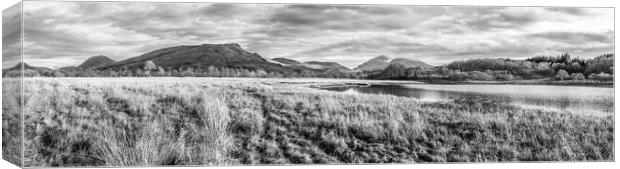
211 121
547 81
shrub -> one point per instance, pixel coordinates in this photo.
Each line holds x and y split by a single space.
562 74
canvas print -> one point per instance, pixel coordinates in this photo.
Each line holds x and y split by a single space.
113 84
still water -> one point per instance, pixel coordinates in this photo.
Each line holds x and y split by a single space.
571 98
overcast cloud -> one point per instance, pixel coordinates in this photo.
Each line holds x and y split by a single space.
66 33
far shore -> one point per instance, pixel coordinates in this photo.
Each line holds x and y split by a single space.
336 82
546 82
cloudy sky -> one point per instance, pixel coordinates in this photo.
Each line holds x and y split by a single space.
66 33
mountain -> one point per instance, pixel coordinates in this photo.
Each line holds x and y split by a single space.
316 65
229 55
393 71
379 63
375 64
315 68
68 68
26 66
397 68
286 61
313 65
95 62
28 70
408 63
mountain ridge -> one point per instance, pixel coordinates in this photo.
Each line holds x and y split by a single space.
324 65
286 61
232 56
95 62
410 63
377 63
382 62
229 55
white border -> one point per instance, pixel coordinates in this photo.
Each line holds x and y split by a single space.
556 165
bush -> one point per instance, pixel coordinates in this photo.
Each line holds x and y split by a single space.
601 76
562 74
505 77
577 76
476 75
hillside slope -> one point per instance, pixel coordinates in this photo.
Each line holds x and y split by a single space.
374 64
202 56
286 61
95 62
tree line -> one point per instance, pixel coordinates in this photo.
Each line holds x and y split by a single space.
150 69
561 67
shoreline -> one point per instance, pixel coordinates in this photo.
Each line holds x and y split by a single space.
335 82
517 82
552 83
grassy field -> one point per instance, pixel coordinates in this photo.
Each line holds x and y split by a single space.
11 121
212 121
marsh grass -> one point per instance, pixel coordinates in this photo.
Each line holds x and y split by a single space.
11 121
211 121
72 123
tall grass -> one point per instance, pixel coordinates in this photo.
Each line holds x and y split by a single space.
211 121
124 124
11 121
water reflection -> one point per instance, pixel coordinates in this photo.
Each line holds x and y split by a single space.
575 99
397 90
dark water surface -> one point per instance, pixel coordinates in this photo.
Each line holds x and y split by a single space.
572 98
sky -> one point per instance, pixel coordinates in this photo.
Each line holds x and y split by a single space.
58 34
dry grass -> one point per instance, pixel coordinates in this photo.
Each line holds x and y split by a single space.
11 121
210 121
72 122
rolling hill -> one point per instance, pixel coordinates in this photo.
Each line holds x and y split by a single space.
316 68
375 64
286 61
382 62
95 62
408 63
229 55
316 65
397 68
28 70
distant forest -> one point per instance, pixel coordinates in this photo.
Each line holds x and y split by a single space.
562 67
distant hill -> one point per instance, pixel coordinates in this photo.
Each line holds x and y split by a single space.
380 63
397 68
393 71
68 68
316 65
410 63
26 66
69 71
315 68
375 64
28 70
229 55
313 65
95 62
286 61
